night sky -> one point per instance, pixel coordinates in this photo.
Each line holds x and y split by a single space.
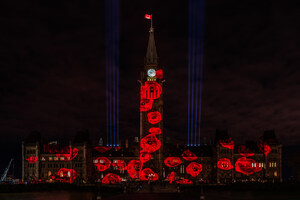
52 73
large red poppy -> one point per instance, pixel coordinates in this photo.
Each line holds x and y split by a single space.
225 164
147 174
150 143
247 166
194 169
102 163
134 167
154 117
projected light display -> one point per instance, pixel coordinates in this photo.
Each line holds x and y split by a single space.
69 156
155 130
147 174
65 175
111 178
150 143
55 149
171 177
32 159
159 74
263 147
151 90
102 163
188 155
225 164
103 149
194 169
245 151
144 156
172 161
247 166
146 105
184 181
134 167
119 164
154 117
227 143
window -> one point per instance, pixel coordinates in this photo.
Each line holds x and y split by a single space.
275 173
50 158
56 158
275 164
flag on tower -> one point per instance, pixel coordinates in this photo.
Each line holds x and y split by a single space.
148 16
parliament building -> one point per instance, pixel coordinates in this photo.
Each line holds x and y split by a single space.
150 156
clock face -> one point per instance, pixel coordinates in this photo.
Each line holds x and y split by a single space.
151 72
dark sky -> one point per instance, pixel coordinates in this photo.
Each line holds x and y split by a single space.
52 72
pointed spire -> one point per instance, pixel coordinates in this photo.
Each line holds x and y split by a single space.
151 55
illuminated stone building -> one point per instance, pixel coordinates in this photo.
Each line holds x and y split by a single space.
53 161
149 156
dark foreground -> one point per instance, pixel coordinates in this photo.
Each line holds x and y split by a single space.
241 192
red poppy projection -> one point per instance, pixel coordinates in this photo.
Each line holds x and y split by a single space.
154 117
151 90
66 175
171 177
188 155
225 164
263 147
155 130
145 156
134 167
102 149
146 104
32 159
172 161
111 178
159 74
117 148
147 174
184 181
245 151
70 156
247 166
102 163
150 143
227 143
119 164
194 169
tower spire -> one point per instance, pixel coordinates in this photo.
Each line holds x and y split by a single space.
151 55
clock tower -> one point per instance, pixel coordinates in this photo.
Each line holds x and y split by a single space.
151 110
